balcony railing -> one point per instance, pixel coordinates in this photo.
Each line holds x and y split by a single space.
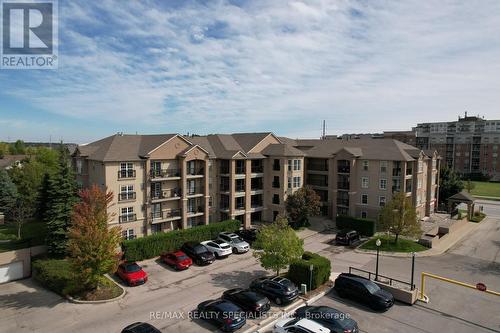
256 204
166 194
343 169
195 172
343 186
166 214
165 173
128 218
257 188
126 196
195 210
343 202
240 188
195 190
240 207
129 173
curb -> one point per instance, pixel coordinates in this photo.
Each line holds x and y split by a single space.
76 301
287 311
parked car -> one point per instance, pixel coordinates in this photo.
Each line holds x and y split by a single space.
346 237
298 325
198 252
238 244
248 300
224 314
248 235
364 291
218 247
140 328
336 321
132 274
177 260
278 289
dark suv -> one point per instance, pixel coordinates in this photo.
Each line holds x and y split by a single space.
224 314
198 252
347 237
248 300
364 291
279 289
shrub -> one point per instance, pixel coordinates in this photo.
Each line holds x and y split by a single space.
154 245
54 274
363 226
299 271
477 217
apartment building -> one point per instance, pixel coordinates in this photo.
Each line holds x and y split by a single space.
470 145
166 182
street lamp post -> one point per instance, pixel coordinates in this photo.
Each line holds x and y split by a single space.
378 243
412 270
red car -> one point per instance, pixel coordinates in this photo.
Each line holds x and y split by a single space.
178 260
132 274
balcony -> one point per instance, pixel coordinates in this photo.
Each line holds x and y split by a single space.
173 214
165 173
276 185
126 174
224 208
343 185
396 172
195 211
128 218
191 172
396 189
166 194
409 172
126 196
240 170
198 190
343 202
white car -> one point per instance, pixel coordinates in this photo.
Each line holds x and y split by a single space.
218 247
299 325
238 244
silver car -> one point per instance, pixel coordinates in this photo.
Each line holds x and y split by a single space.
238 244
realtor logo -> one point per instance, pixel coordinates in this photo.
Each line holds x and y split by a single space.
29 34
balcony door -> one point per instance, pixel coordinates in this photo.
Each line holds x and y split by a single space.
156 210
156 190
156 168
191 185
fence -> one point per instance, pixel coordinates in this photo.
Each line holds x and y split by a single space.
382 278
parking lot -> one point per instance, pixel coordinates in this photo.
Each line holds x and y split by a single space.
168 296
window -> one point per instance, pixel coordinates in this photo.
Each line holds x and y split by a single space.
297 165
296 182
127 170
276 182
365 165
419 183
420 166
364 199
126 192
363 215
364 182
276 199
128 234
381 201
276 165
383 166
289 182
79 167
383 184
289 165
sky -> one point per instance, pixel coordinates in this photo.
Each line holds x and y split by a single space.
180 66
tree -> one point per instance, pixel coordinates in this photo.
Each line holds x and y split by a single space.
279 245
61 197
28 178
469 185
18 148
21 212
92 245
450 184
4 149
8 193
301 205
399 217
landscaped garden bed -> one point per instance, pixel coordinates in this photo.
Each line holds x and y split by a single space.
388 245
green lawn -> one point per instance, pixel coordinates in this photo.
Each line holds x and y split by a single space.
403 245
32 234
486 189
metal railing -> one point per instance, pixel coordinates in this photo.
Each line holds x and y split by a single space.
195 172
128 218
165 194
195 190
164 173
386 279
126 196
129 173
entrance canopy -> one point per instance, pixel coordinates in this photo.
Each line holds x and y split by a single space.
462 197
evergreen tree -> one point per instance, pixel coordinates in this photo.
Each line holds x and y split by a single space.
8 193
61 197
449 184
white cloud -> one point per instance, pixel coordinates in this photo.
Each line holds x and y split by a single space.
276 64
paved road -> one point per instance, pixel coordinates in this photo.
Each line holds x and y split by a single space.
25 307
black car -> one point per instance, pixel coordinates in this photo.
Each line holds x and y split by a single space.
364 291
198 252
224 314
333 319
248 235
347 237
248 300
278 289
140 328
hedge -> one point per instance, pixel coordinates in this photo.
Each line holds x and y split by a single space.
299 270
363 226
152 246
54 274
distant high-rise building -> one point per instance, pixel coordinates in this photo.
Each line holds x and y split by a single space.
469 145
